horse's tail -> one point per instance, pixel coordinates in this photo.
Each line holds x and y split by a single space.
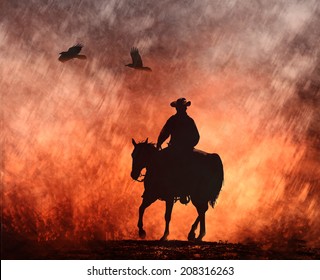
218 177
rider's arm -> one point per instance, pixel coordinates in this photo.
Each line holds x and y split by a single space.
164 134
196 135
193 134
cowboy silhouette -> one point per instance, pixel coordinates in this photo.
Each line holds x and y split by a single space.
184 136
182 129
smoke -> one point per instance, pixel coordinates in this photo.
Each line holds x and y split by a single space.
249 68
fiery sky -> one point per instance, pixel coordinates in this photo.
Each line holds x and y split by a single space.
250 69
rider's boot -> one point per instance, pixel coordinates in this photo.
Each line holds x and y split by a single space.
184 199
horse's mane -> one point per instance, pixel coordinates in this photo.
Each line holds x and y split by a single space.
148 144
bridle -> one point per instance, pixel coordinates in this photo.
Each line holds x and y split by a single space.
141 176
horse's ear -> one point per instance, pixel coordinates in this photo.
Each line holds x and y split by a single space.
146 140
134 142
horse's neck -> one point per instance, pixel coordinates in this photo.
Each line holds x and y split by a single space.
153 162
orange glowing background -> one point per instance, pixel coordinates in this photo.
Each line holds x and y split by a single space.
250 69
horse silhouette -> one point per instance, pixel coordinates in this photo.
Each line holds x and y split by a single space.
201 179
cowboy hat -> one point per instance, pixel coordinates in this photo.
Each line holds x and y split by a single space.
181 102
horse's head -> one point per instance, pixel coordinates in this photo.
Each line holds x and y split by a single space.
140 157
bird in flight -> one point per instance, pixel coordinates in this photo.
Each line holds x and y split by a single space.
136 60
71 53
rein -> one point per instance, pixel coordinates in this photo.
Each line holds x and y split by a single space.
142 180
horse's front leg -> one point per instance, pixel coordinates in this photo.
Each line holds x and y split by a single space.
167 216
145 204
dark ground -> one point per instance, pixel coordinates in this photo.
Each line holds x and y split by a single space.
135 249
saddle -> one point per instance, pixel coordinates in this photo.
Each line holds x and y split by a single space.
176 170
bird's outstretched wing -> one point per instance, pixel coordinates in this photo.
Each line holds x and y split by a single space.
75 49
72 53
136 58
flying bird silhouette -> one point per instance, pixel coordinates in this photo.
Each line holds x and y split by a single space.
71 53
136 60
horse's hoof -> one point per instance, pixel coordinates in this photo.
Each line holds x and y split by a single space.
164 238
199 239
191 236
142 234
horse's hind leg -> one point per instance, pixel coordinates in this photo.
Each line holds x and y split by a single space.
202 214
192 233
167 216
145 204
